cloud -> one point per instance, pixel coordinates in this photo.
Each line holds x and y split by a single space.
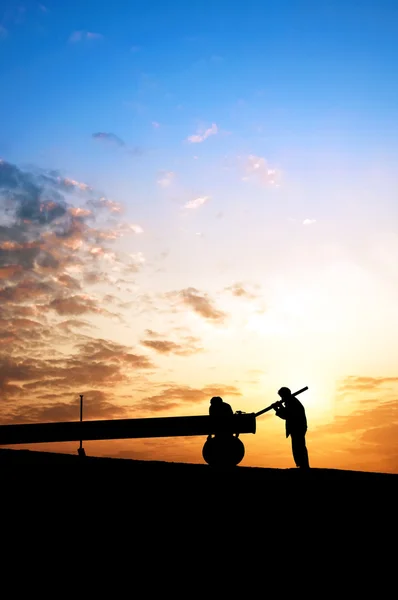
135 228
94 362
186 347
166 178
108 137
114 140
368 437
50 252
155 124
76 305
94 36
257 168
201 136
238 290
177 395
309 221
98 350
199 303
71 324
97 405
197 202
76 184
151 333
78 36
360 384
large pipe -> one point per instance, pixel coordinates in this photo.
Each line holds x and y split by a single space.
125 428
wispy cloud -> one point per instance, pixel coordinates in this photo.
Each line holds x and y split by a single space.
135 228
257 168
177 395
109 138
355 383
187 347
79 36
201 304
197 202
94 36
238 290
114 140
309 221
155 124
201 136
166 178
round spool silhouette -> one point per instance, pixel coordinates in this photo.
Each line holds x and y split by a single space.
223 451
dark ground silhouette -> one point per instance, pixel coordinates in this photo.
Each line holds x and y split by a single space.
223 508
180 473
193 512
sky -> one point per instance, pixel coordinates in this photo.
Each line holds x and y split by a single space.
199 199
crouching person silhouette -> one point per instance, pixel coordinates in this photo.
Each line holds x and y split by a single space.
223 448
219 408
290 409
220 411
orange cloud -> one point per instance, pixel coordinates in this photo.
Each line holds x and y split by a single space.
45 258
177 395
170 347
200 304
75 305
354 383
9 271
238 290
96 406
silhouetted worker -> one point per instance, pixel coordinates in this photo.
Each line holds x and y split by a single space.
292 411
219 408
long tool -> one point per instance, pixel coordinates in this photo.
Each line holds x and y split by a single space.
261 412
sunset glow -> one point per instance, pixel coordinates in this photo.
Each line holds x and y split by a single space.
201 200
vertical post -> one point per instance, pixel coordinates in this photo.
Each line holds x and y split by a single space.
81 417
81 451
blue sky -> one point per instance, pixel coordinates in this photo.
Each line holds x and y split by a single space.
255 147
313 67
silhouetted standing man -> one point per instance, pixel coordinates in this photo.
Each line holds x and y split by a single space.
292 411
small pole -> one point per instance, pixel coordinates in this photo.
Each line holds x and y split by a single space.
81 451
